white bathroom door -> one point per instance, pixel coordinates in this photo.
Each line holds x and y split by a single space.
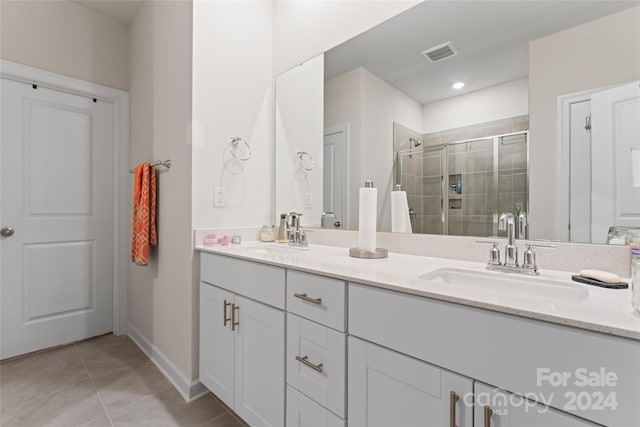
57 216
615 130
334 186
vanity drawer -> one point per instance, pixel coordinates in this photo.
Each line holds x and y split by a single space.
323 376
257 281
317 298
304 412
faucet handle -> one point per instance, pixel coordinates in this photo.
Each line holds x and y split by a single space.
529 256
529 259
494 252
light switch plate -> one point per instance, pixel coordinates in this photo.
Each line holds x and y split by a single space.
218 197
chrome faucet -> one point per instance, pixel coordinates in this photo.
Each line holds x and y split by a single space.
297 237
329 220
507 223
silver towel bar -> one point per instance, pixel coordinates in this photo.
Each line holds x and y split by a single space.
165 163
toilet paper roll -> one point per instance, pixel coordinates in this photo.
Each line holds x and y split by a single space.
400 221
635 166
368 217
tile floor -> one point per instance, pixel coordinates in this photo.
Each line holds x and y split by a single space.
104 381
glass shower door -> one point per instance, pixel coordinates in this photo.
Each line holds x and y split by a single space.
470 188
513 177
433 219
421 172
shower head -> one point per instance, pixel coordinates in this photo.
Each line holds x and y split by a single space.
415 142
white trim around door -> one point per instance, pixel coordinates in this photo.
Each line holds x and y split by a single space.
120 101
345 129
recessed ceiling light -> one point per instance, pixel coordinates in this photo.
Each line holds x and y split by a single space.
458 85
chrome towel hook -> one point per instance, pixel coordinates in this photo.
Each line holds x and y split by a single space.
236 149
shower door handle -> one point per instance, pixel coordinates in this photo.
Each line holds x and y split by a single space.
442 201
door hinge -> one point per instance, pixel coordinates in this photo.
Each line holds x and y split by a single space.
587 123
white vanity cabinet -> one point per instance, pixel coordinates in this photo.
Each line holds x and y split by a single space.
367 356
499 408
387 388
242 341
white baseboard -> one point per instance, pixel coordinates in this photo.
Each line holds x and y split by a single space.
189 390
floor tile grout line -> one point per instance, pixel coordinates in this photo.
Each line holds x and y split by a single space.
215 418
93 384
228 410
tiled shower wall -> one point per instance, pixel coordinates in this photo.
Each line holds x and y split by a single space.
412 176
471 212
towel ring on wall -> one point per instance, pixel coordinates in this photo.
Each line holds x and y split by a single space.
305 160
235 151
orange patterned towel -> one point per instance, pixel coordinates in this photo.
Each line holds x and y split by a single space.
144 213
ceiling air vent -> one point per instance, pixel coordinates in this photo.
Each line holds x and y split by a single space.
440 52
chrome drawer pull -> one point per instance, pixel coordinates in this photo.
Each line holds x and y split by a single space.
224 314
305 360
233 316
306 298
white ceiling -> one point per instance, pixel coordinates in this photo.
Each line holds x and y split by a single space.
121 10
491 36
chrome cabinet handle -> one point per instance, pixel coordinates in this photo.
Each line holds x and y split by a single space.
233 316
309 299
224 314
7 231
453 398
487 416
305 361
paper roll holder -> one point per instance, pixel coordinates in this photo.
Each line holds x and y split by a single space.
361 253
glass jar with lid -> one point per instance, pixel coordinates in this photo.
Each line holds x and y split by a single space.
268 233
617 235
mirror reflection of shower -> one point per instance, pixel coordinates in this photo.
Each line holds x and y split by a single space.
460 188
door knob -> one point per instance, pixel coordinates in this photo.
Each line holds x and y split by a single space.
6 231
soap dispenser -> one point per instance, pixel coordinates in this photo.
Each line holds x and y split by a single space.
283 229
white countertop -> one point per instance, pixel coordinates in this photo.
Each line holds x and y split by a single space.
603 310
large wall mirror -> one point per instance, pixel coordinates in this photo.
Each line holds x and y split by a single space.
473 108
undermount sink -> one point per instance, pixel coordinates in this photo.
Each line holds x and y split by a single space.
508 285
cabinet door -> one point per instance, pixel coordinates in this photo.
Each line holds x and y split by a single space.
498 408
216 342
259 358
390 389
